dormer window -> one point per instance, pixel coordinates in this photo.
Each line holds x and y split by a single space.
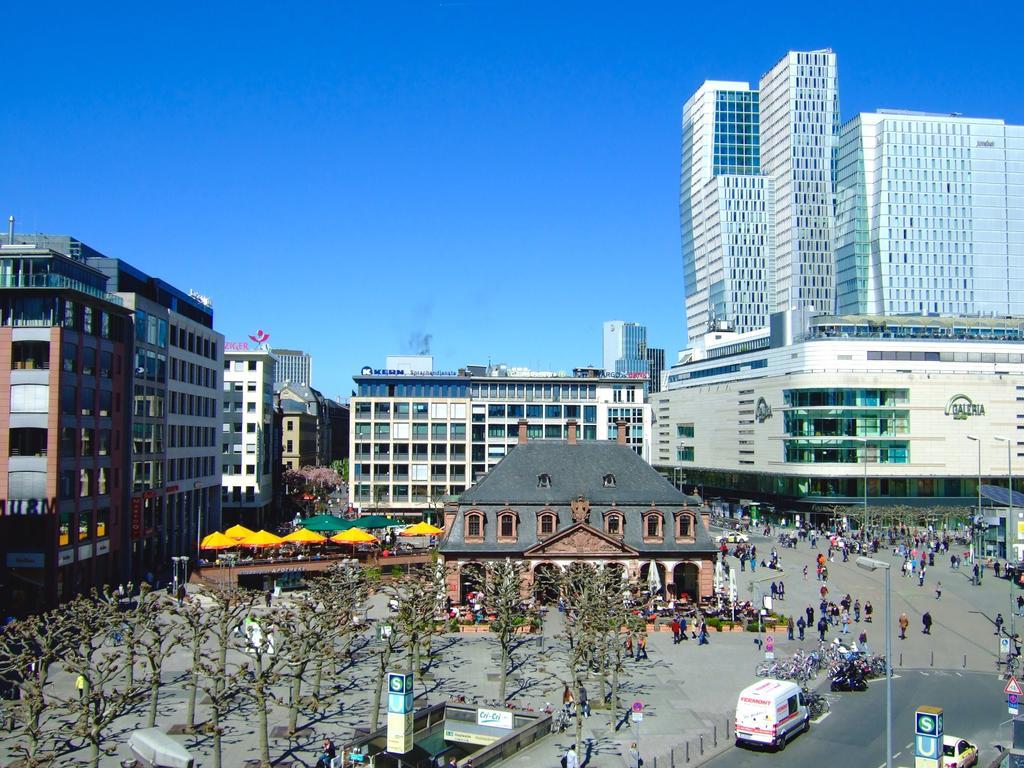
474 525
613 524
543 480
547 523
685 525
653 526
608 481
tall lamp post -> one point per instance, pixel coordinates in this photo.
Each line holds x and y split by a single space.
864 460
1011 521
977 521
870 564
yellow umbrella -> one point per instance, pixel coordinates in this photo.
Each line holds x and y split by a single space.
421 529
303 536
354 536
238 532
261 539
217 540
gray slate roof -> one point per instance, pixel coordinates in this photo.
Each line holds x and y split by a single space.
575 470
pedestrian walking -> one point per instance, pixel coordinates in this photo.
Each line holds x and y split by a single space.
926 623
641 646
269 597
822 628
904 622
703 633
999 623
775 591
1020 605
584 701
846 623
868 610
682 628
675 631
938 590
801 625
856 610
570 759
805 573
977 575
633 759
80 686
789 628
782 590
810 615
920 577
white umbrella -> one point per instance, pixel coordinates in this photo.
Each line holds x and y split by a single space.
719 579
732 585
653 578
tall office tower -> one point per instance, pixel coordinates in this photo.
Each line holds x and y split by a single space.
725 211
625 347
294 366
656 364
929 215
799 130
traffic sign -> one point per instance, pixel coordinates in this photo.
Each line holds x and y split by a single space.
638 706
1012 703
1004 645
1013 687
769 643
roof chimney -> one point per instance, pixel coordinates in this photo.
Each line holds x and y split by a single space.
10 230
623 432
571 424
522 431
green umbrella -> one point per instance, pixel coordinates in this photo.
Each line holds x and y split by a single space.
371 522
324 524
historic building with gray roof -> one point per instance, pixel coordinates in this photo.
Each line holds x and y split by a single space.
554 502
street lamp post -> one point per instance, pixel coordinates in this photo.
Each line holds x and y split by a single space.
864 459
870 564
1011 522
977 521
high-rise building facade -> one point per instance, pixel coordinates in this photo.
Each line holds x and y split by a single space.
175 478
799 115
725 211
250 446
930 215
656 364
294 366
625 347
65 405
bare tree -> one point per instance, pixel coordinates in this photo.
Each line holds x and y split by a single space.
614 620
504 587
417 599
194 625
266 643
340 593
389 641
158 637
29 648
96 656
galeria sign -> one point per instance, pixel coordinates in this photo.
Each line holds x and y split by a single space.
962 407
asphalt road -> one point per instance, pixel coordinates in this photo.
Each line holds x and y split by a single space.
852 735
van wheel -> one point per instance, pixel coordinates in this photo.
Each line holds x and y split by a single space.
780 744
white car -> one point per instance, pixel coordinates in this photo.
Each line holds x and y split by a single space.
734 538
957 752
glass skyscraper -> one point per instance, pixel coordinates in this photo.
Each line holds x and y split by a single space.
799 107
725 210
930 215
625 347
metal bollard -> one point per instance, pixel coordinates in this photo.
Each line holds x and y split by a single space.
932 663
654 761
687 751
965 661
714 733
702 743
901 658
672 758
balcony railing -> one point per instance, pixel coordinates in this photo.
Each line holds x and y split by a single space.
51 280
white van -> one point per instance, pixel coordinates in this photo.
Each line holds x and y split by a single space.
770 712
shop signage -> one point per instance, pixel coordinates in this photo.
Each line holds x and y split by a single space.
65 557
25 559
495 718
9 507
762 411
961 407
464 737
985 144
136 517
399 739
368 371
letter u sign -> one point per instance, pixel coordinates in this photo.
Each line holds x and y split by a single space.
927 746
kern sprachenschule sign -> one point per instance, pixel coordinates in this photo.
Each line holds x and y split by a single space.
961 407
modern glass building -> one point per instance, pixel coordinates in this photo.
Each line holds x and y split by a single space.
293 366
725 210
930 215
625 347
799 106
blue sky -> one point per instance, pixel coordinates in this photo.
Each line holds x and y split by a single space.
502 176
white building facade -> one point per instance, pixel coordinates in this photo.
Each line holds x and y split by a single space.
293 366
799 117
248 445
930 215
418 437
801 417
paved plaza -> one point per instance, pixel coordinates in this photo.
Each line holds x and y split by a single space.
689 691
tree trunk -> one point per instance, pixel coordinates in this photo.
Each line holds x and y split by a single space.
190 715
261 711
614 711
154 698
94 752
504 671
579 717
293 707
318 677
385 658
215 719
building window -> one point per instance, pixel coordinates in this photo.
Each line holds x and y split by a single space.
507 525
548 524
652 526
544 480
613 524
684 430
685 454
474 525
608 481
685 525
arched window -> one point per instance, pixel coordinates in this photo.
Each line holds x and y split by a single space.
543 480
548 523
608 481
507 525
474 525
685 525
613 523
653 526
